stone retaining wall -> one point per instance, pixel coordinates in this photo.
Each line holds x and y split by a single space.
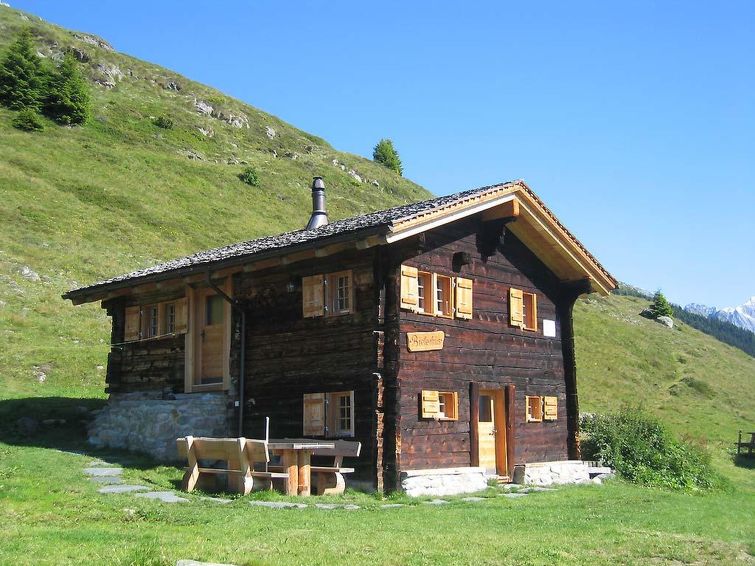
147 422
548 473
445 481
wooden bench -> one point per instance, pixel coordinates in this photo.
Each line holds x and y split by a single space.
330 479
241 455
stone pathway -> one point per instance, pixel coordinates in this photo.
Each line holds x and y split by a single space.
108 476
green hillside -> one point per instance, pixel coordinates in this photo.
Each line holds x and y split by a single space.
120 193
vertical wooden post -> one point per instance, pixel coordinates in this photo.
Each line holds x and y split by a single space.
291 465
304 459
474 420
510 394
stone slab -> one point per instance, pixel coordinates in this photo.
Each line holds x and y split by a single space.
164 496
195 563
278 504
437 502
122 488
472 499
107 480
513 495
103 471
391 505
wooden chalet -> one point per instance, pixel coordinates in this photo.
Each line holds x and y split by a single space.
438 334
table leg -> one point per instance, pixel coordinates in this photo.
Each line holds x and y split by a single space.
291 465
304 459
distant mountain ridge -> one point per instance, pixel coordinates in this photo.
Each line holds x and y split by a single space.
742 316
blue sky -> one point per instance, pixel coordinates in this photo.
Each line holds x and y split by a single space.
634 121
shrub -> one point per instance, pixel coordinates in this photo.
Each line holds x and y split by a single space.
29 121
22 77
67 95
643 451
163 122
385 154
250 177
661 306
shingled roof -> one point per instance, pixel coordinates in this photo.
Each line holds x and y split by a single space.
380 222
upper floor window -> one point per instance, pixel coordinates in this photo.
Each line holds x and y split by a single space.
329 294
155 320
435 294
522 309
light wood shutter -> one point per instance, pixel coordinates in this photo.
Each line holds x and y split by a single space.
463 298
515 307
550 408
430 404
314 414
313 296
133 324
409 288
182 316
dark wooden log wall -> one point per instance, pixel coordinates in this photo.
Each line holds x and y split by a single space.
288 355
485 351
156 364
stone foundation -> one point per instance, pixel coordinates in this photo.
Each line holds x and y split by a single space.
445 481
146 422
549 473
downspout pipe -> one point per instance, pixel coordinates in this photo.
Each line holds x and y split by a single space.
235 305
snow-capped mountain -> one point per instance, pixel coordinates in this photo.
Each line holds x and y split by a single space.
742 316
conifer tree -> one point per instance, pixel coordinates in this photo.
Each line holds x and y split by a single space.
22 76
660 305
67 99
385 154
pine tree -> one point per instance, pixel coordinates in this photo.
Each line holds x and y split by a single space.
385 154
660 305
67 100
22 76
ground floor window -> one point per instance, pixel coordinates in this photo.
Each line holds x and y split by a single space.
540 409
329 414
440 405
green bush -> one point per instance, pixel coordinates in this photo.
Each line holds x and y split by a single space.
250 177
29 121
163 122
641 450
385 154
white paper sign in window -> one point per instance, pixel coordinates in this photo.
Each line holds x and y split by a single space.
549 328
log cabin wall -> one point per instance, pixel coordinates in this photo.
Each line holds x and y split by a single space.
155 364
485 350
288 355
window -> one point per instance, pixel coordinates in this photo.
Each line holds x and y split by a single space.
434 294
424 292
443 294
155 320
439 405
522 309
329 414
327 295
214 310
170 318
534 409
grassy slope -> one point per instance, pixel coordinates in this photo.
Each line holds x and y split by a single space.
85 203
699 386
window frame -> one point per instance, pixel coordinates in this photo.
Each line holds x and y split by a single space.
331 292
332 417
427 285
150 321
431 402
529 311
448 287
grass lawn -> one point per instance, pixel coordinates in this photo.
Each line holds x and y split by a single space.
50 513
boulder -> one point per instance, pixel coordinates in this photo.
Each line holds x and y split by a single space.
203 107
29 274
271 133
665 321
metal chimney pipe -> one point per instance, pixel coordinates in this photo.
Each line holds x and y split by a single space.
319 215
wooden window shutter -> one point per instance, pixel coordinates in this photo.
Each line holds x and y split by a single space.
463 298
515 307
430 404
314 414
133 325
182 316
313 296
534 409
409 287
550 408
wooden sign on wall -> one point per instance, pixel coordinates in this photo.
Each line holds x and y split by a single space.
425 341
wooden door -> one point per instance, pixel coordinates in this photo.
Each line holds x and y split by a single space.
211 316
491 432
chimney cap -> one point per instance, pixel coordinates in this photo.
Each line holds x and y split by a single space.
317 183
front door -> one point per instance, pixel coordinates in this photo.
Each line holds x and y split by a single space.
211 313
491 433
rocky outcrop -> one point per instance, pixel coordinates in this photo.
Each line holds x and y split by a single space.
94 40
108 75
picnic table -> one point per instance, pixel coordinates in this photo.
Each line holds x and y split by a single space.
747 446
296 458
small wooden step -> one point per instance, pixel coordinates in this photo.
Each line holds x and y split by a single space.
503 479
